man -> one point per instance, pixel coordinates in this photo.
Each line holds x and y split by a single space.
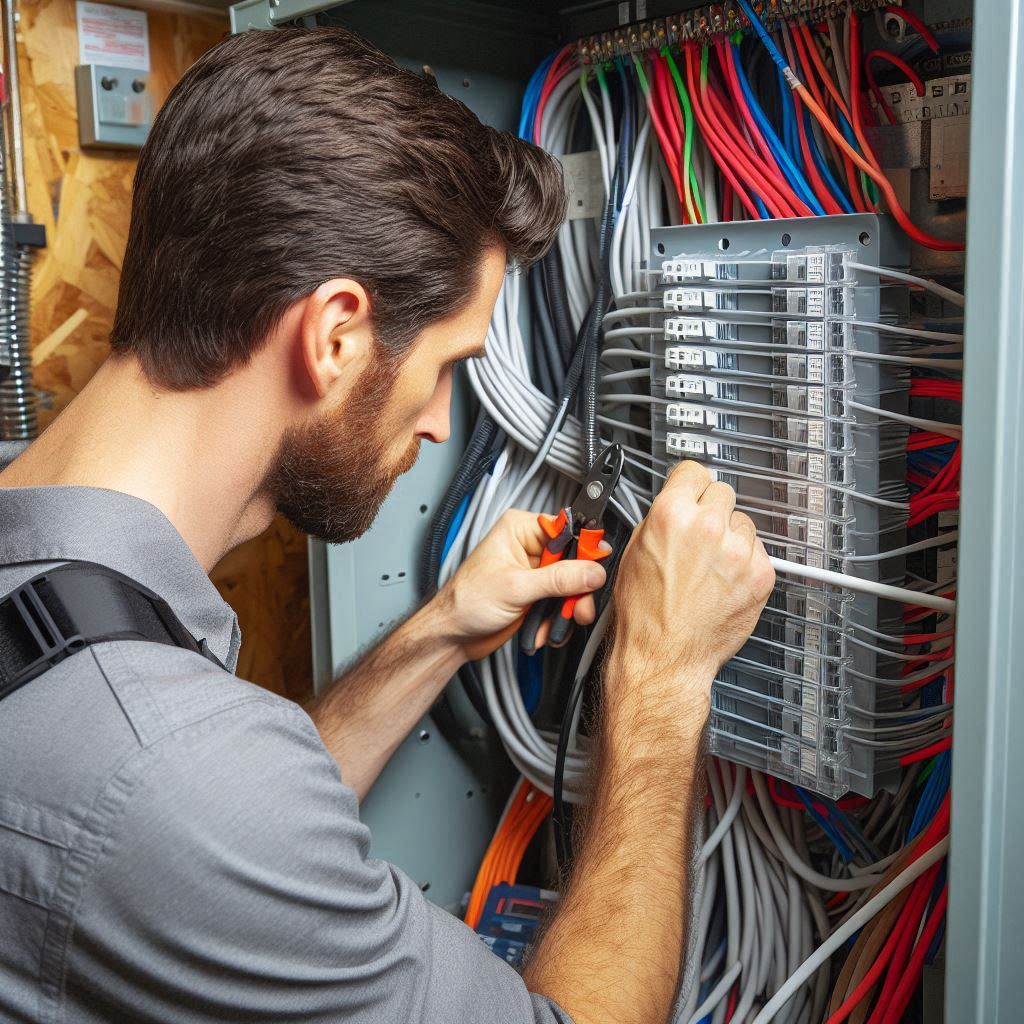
316 238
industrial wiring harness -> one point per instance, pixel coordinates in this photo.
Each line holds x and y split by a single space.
821 879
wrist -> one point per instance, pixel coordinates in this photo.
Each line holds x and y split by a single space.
434 629
670 701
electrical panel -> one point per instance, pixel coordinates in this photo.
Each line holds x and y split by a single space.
764 373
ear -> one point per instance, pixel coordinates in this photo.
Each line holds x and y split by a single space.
335 333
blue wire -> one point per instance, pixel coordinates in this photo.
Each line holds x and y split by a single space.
823 169
531 96
826 826
762 34
788 119
793 175
460 514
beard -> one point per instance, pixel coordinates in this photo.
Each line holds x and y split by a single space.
332 475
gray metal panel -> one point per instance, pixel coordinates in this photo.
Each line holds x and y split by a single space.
268 13
985 974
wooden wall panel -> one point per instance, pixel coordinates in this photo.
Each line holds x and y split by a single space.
84 200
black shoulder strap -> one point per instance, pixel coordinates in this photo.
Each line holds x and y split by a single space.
64 610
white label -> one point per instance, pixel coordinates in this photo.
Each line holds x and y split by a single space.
816 401
815 301
816 268
583 184
816 369
683 385
685 357
112 36
685 414
688 298
808 756
815 533
816 467
689 327
816 334
816 434
624 18
816 501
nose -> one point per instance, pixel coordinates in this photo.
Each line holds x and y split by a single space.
435 421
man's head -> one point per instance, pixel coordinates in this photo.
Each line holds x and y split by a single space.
299 189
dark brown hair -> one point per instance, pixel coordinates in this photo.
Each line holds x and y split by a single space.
285 158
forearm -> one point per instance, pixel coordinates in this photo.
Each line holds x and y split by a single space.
371 708
613 950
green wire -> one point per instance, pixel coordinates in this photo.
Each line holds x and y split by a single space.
927 771
684 99
601 80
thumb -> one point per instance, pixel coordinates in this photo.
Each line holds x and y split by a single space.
563 579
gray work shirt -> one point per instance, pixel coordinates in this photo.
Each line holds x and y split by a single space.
177 845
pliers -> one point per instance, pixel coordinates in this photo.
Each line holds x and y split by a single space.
576 532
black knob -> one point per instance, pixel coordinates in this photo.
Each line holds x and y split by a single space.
108 83
138 85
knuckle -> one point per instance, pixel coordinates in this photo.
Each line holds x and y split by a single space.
710 527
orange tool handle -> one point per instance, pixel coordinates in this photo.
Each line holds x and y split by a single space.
553 526
587 549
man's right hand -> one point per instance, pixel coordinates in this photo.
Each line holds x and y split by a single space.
691 585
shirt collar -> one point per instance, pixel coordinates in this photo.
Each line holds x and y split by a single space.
90 524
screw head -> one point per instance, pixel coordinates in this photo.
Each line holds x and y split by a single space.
108 83
595 489
138 85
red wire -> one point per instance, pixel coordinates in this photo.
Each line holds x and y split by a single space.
730 1008
672 121
821 190
558 70
912 974
931 751
916 23
911 909
799 207
852 180
734 144
897 62
668 152
710 140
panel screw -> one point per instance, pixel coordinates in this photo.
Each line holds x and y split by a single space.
138 85
108 83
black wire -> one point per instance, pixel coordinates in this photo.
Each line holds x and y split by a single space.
559 817
558 303
550 351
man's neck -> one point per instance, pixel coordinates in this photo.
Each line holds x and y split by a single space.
200 456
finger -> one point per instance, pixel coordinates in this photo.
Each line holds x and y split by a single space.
688 478
740 522
542 634
719 497
585 611
562 579
525 529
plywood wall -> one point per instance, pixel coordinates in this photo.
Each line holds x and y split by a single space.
83 198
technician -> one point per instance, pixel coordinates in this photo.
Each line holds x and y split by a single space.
316 238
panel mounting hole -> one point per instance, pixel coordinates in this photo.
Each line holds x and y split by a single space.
786 238
661 248
865 238
425 887
723 244
401 575
423 510
469 794
385 577
465 83
424 736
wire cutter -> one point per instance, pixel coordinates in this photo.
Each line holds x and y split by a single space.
576 532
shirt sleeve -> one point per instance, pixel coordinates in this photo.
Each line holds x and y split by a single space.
237 886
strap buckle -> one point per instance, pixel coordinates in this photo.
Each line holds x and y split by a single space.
42 628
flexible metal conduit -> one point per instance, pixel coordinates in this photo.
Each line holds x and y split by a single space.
18 421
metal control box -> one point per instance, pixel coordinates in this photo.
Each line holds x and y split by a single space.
115 108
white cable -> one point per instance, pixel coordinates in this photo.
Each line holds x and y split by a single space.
935 426
897 275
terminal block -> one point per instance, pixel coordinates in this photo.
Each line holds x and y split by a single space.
757 375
